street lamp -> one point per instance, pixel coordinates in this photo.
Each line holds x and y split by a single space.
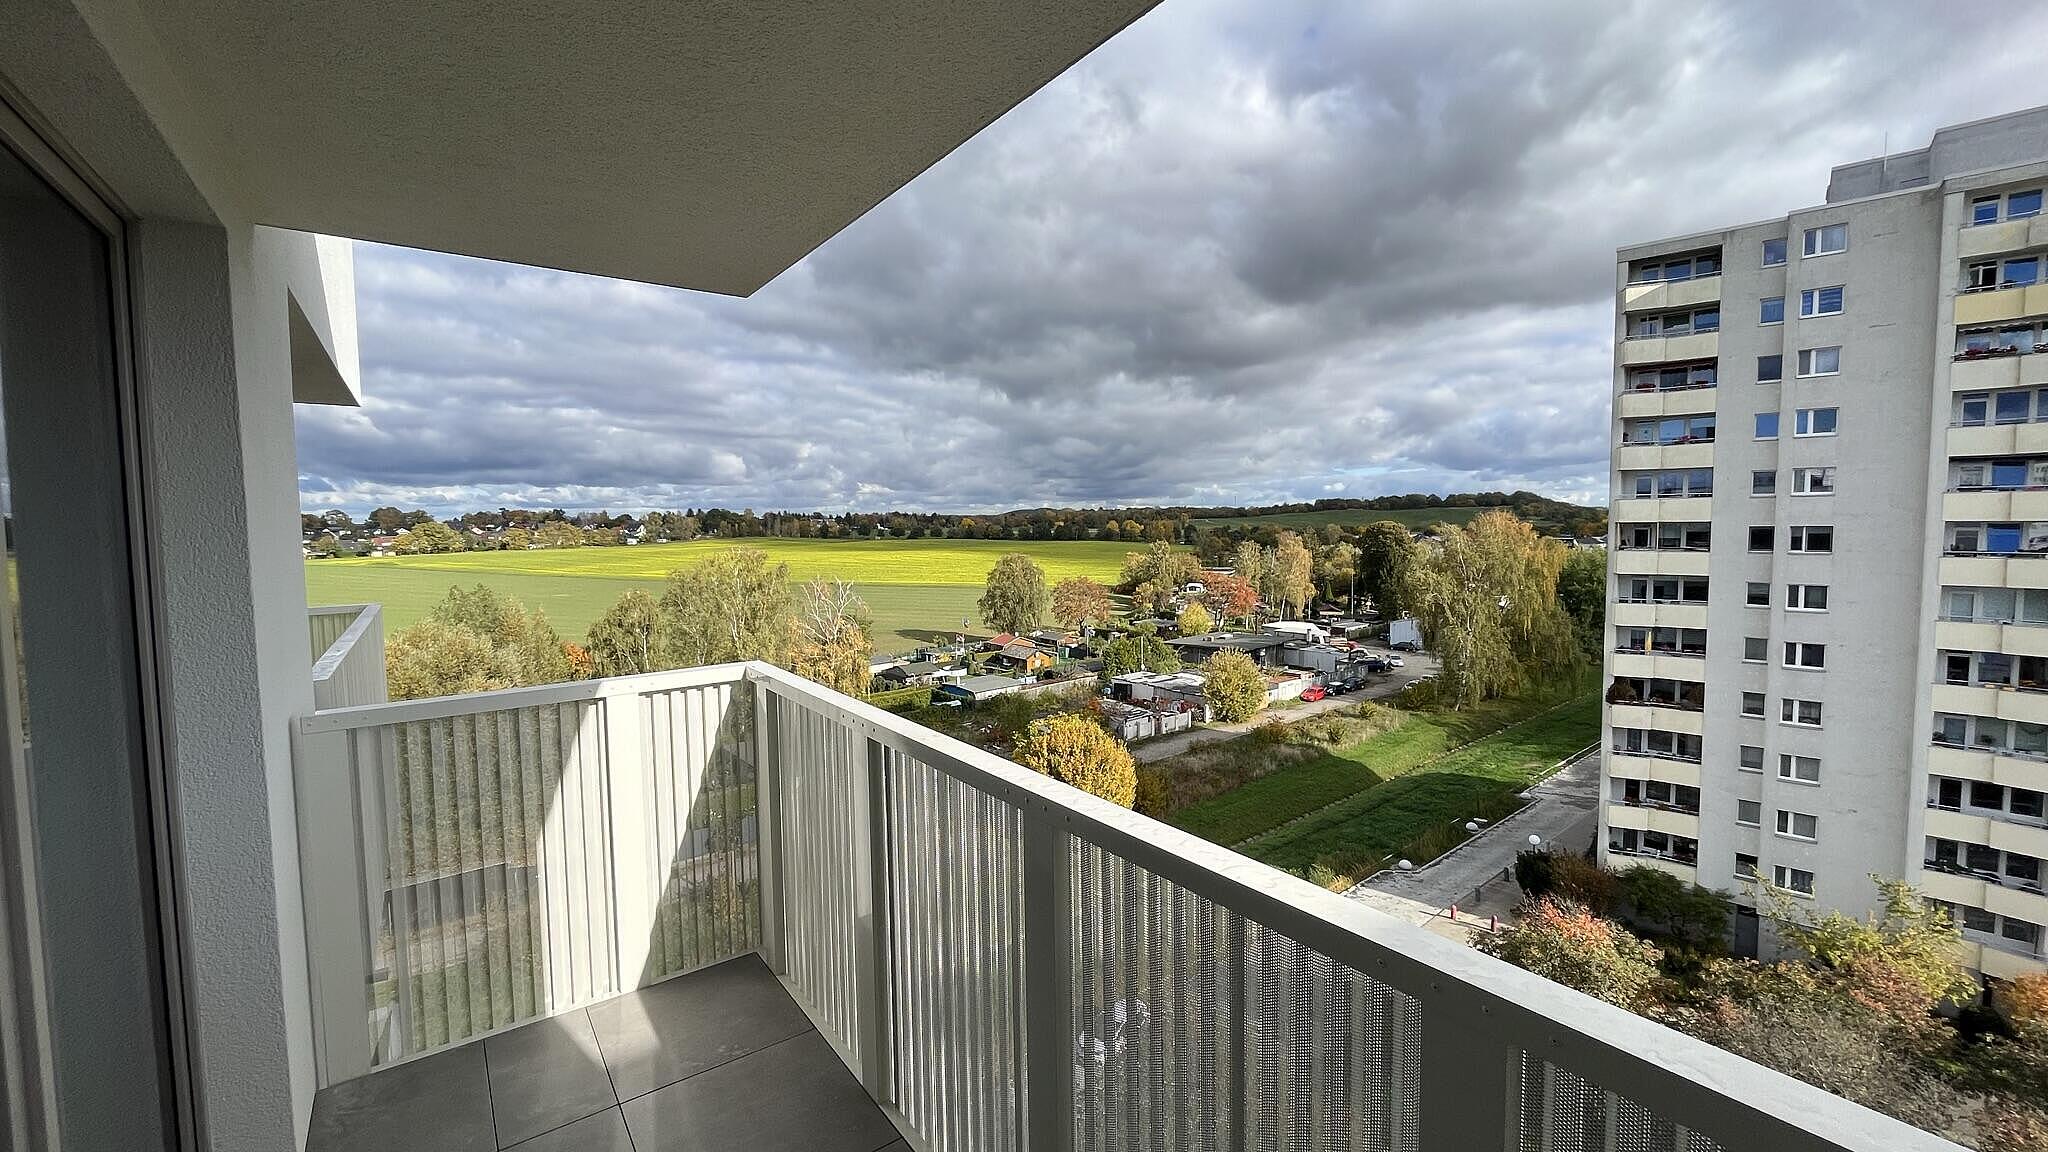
1535 841
1406 865
1471 825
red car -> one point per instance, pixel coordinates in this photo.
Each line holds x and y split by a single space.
1314 692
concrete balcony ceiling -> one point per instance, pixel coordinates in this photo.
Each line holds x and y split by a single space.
705 146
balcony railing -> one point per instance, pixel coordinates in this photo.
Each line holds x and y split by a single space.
348 655
1005 962
1678 757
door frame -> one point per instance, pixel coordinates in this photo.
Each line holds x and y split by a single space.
30 138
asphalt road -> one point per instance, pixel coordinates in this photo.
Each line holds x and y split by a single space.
1419 664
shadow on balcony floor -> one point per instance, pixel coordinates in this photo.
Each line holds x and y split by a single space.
718 1059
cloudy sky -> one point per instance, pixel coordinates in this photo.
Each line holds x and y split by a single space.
1248 251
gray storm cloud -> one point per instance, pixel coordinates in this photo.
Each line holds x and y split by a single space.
1246 252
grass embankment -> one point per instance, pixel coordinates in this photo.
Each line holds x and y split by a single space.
1344 801
915 588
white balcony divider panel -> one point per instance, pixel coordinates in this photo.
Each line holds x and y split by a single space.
348 655
475 862
326 622
1004 962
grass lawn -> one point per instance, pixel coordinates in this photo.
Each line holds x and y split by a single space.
1353 836
916 588
1293 791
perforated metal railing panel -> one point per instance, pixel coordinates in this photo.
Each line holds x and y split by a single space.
1564 1112
820 777
1154 1036
956 928
1333 1055
699 801
1327 1057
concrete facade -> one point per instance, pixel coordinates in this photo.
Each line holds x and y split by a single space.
1730 627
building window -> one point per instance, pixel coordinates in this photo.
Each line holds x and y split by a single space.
1763 483
1753 704
1801 825
1821 301
2021 205
1745 866
1981 276
1767 425
1984 210
1755 649
1762 537
1820 361
1801 769
1813 481
2012 408
1770 369
1814 422
1750 758
1773 311
1806 597
1759 595
1795 880
2019 271
1749 813
1774 252
1812 538
1826 240
1802 655
1805 713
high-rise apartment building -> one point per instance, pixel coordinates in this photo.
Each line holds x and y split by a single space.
1829 541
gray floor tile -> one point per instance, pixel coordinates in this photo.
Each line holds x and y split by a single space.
604 1132
544 1075
440 1102
679 1028
793 1097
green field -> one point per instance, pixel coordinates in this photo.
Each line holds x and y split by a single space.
914 587
1406 517
1352 835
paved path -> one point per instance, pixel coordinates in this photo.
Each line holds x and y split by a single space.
1419 664
1566 813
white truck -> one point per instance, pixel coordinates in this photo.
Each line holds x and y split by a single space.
1405 634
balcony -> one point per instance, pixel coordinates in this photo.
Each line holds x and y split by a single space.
1665 767
1658 614
1995 765
1646 817
1693 401
1661 349
1993 305
1670 664
1992 504
1659 509
1663 295
2002 895
1990 373
2015 570
618 880
1662 561
1967 440
2000 702
1652 457
2002 237
1655 719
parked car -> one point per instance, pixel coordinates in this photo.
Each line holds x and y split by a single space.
1376 664
1407 646
1314 692
1396 662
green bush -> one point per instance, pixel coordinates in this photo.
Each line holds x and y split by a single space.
901 699
1534 874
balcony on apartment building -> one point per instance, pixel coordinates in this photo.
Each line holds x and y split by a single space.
1669 390
1673 282
1656 702
1992 685
1668 442
1995 894
2009 489
1659 652
1660 806
2003 222
1674 853
1660 601
1665 548
726 904
1676 494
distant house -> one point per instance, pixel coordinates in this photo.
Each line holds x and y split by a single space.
1133 722
999 641
975 689
1023 658
1260 646
1176 689
908 675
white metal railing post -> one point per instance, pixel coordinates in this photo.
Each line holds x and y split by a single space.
1470 1081
331 881
637 877
1048 1004
768 821
871 937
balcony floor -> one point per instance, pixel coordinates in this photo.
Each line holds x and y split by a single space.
718 1059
